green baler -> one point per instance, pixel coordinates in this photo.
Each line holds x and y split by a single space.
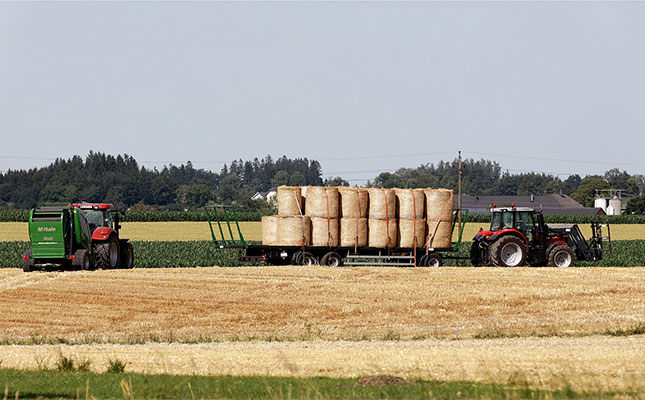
60 237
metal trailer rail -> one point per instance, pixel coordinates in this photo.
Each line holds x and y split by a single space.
225 218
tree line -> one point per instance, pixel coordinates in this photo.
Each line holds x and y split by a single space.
121 180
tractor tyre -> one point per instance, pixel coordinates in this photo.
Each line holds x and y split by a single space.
332 259
508 251
28 264
107 254
562 256
433 260
82 260
127 256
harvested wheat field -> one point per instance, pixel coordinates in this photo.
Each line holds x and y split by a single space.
291 303
595 363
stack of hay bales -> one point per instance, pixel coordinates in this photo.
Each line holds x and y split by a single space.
382 226
354 217
353 213
322 207
411 217
439 203
289 227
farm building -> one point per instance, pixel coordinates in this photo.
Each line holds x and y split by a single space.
267 196
552 204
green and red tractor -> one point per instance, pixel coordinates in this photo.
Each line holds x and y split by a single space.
78 236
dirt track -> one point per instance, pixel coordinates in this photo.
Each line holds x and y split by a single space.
296 303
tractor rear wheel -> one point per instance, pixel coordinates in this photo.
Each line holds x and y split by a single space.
28 263
508 251
82 260
107 254
127 256
562 256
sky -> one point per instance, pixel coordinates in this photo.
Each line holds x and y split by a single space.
362 87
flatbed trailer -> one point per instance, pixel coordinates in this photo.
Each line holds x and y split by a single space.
223 220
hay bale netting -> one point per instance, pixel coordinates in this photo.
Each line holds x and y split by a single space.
353 232
324 231
411 203
270 230
292 229
409 229
290 201
322 201
439 206
381 232
353 202
382 203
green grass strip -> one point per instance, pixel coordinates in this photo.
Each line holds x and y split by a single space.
81 385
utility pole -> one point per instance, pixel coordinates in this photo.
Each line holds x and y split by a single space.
459 198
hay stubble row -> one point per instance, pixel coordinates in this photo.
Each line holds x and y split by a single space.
292 303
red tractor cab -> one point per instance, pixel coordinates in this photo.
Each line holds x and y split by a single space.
109 250
518 235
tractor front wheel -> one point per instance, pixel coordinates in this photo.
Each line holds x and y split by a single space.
508 251
562 256
82 260
107 254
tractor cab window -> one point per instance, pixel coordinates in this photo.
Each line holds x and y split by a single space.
98 218
501 220
524 223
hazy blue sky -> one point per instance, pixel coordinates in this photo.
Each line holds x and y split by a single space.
344 83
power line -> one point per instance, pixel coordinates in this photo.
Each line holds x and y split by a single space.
557 159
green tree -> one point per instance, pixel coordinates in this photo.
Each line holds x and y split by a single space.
586 193
337 181
636 205
194 195
281 178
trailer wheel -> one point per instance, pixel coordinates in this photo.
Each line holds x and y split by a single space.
332 259
508 251
562 256
82 260
421 261
107 254
27 264
434 260
295 258
308 259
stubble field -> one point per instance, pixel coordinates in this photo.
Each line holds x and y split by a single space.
548 327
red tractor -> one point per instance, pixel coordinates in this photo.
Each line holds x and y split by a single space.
518 235
109 250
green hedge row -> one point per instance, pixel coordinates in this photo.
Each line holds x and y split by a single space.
7 215
626 253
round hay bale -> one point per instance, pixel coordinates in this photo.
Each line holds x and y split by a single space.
409 229
324 231
353 232
290 201
439 206
270 230
291 231
353 202
382 203
382 232
322 202
410 203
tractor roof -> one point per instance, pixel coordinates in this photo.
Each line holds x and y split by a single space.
93 206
